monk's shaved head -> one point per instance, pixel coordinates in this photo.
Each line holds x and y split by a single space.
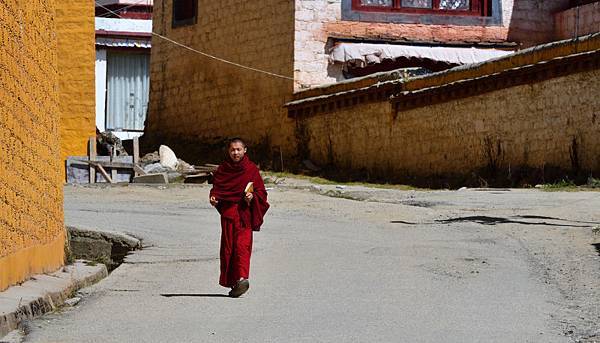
236 149
236 140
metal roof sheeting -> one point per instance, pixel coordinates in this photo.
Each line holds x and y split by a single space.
123 25
124 42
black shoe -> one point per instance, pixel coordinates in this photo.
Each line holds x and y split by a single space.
239 289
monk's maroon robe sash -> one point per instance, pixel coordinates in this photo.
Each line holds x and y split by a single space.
229 182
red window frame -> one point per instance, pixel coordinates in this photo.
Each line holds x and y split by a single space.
478 8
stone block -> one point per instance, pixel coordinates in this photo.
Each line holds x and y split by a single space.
158 178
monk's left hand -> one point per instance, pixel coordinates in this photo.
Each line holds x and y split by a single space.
249 196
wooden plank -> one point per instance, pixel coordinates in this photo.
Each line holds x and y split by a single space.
138 170
114 174
103 172
91 156
136 154
113 165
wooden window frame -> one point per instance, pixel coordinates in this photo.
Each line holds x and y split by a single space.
479 8
187 21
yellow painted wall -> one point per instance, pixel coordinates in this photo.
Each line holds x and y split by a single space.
197 99
76 70
31 195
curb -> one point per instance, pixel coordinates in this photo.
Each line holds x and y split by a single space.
44 293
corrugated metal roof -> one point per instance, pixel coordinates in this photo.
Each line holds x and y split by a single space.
124 42
123 25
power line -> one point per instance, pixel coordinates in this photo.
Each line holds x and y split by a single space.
123 8
208 55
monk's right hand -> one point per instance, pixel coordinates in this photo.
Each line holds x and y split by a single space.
213 201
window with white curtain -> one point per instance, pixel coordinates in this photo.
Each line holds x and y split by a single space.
128 85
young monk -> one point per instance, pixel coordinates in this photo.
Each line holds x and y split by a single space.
241 213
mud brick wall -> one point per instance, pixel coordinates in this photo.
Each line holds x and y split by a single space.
195 99
577 21
76 70
539 125
31 196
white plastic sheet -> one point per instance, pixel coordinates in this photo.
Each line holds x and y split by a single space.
363 54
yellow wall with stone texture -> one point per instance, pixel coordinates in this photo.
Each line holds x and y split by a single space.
32 233
76 70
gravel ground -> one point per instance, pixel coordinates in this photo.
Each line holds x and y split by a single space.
350 264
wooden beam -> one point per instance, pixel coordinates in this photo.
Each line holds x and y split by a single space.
139 171
136 155
92 156
106 164
103 172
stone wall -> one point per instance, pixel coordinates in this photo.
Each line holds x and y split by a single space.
544 125
527 22
195 99
76 69
577 21
31 196
532 21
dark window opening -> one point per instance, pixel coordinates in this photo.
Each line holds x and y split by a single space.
185 12
449 7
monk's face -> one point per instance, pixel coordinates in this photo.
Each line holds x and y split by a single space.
237 151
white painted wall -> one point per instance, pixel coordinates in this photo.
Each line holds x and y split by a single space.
101 89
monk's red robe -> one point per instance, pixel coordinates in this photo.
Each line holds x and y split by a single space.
238 218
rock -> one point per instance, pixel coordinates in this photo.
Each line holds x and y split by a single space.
462 188
167 157
150 158
72 301
539 186
151 178
107 140
156 168
184 167
311 166
91 248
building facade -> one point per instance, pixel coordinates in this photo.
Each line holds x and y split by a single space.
75 32
32 234
198 99
123 43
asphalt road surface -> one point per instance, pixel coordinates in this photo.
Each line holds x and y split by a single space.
359 265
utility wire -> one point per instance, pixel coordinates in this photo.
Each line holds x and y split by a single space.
206 54
123 8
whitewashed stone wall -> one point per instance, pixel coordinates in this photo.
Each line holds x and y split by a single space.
311 60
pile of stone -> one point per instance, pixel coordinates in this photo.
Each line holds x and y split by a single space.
164 162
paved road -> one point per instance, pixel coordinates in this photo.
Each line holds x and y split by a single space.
401 266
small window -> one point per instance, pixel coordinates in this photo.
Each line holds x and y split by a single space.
456 7
185 12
